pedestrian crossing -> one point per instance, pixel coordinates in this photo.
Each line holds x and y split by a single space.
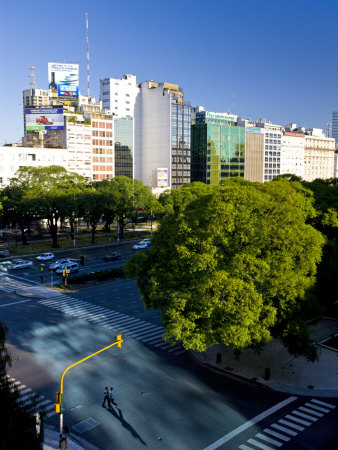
141 330
9 285
289 426
27 396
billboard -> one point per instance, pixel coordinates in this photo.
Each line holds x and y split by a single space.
220 116
162 177
64 80
44 119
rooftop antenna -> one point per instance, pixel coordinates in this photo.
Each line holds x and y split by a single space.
88 78
32 77
328 129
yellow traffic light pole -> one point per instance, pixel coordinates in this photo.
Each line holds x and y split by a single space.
58 405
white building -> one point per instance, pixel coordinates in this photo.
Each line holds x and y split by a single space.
118 96
272 149
78 142
292 153
162 136
13 158
319 155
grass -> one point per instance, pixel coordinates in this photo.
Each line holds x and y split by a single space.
80 241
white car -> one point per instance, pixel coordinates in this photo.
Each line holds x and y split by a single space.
141 245
45 257
59 263
21 264
70 268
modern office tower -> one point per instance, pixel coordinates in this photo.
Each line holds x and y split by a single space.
272 149
78 141
254 153
335 125
319 155
162 136
102 146
217 148
12 158
118 95
124 146
292 153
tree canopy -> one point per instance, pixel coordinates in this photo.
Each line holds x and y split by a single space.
233 267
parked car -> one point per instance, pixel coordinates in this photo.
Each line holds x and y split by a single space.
59 263
4 253
45 257
141 245
112 256
21 264
70 266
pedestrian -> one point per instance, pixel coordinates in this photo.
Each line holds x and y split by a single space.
106 397
111 396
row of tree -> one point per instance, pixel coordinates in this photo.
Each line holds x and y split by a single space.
236 264
54 195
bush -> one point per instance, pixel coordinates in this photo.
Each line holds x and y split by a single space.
115 272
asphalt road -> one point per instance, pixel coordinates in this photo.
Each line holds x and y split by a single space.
165 399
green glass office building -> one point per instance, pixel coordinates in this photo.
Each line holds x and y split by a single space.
217 148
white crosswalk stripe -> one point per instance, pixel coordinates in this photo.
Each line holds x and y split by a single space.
145 332
28 398
277 434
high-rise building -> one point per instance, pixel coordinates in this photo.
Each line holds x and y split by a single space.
162 136
335 125
124 146
118 96
102 146
254 153
78 141
217 147
272 149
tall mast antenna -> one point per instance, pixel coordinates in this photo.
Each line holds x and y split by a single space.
88 77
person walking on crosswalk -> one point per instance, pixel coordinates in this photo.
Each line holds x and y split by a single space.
111 396
106 397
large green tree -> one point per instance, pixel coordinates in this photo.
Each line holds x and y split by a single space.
233 267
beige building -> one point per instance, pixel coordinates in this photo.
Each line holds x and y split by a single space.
319 156
292 153
254 154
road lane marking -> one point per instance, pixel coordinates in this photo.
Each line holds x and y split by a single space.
268 439
292 425
15 303
259 444
249 423
285 430
318 408
307 410
323 403
277 435
304 416
295 419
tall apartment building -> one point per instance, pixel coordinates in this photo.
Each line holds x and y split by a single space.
319 155
78 141
217 147
162 136
254 153
292 153
102 146
272 149
335 125
118 96
124 146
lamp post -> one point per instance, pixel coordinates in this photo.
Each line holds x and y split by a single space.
58 405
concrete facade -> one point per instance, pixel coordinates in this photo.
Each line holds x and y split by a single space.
254 155
118 96
292 153
319 156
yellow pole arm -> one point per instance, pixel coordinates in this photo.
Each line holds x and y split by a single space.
118 343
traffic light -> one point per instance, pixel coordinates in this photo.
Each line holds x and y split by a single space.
58 402
82 260
119 340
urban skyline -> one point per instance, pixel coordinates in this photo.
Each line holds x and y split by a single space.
280 68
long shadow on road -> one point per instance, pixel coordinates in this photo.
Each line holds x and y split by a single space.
125 424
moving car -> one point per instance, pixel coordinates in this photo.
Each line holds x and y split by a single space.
141 245
45 257
70 268
112 256
21 264
59 263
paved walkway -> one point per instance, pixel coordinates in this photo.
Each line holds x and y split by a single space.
52 441
287 374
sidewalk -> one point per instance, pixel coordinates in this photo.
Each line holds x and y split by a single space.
52 441
287 374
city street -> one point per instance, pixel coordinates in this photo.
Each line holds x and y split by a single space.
165 400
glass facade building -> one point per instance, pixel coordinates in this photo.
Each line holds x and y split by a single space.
217 150
335 125
123 144
180 143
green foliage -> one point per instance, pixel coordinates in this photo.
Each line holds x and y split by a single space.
18 422
101 275
232 265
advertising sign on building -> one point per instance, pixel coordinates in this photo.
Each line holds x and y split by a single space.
162 177
292 133
220 116
64 80
253 130
44 119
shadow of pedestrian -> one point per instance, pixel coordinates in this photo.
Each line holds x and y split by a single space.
125 424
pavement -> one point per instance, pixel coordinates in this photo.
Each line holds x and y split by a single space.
286 373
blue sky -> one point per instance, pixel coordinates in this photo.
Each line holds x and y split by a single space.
265 59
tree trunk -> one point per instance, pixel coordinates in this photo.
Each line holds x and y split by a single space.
71 228
121 226
93 232
53 228
23 235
